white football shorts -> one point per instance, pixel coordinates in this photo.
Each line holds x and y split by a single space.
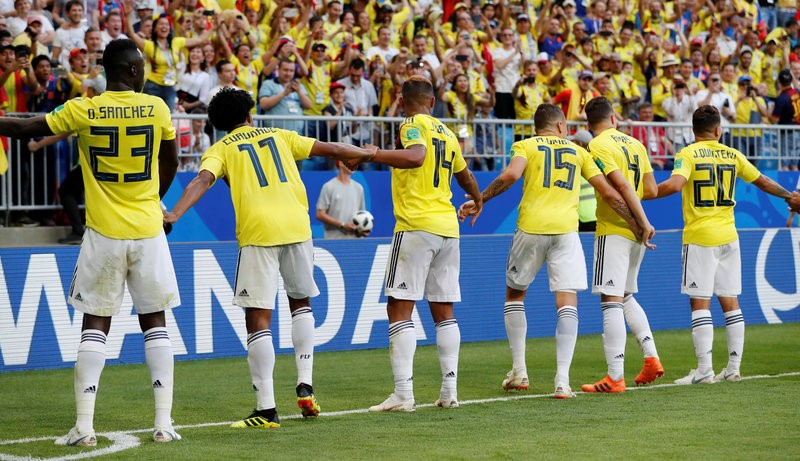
422 264
616 265
711 271
257 272
566 265
105 265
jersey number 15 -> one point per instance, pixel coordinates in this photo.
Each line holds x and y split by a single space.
554 160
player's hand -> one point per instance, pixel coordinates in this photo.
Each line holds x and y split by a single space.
794 202
470 208
349 227
648 232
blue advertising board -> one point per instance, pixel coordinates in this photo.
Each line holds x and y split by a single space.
38 329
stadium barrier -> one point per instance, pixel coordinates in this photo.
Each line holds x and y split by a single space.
38 329
31 182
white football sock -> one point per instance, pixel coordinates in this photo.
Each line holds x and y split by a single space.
303 342
566 335
614 339
88 367
402 346
448 343
160 362
640 327
734 329
517 330
261 361
703 338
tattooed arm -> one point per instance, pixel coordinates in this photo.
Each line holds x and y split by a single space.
615 201
624 188
771 187
500 184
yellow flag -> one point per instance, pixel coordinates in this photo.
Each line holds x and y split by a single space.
3 160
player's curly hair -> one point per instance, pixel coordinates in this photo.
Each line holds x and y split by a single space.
229 108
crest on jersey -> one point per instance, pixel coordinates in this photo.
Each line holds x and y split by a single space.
412 133
678 163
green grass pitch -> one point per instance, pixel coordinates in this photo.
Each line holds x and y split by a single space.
754 419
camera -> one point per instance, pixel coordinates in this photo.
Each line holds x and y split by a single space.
208 13
529 80
462 58
606 33
680 85
99 62
22 51
569 54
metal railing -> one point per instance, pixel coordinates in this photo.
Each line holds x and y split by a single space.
31 182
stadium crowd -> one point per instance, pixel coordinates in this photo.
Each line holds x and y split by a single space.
654 60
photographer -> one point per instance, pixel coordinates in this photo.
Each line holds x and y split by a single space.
284 95
750 109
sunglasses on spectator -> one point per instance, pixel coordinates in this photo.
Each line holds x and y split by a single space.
714 80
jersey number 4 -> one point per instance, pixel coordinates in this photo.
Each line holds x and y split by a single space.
112 150
554 160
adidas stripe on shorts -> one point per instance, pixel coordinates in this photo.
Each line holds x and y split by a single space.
422 264
616 265
711 271
106 265
257 273
566 265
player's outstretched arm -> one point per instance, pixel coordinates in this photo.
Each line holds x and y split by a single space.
351 155
649 186
196 189
671 186
467 182
624 188
24 127
769 186
167 165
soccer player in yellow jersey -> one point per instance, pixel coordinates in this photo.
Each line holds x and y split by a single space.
129 158
618 251
547 231
274 233
425 258
705 173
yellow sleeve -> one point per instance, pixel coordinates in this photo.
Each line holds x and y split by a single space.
167 128
589 169
603 158
300 145
411 134
61 119
213 161
683 164
745 169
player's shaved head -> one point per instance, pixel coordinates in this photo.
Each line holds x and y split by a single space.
229 108
123 63
598 110
417 90
546 117
705 120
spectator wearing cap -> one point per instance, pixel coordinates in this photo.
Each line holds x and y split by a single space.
750 109
603 87
318 81
570 9
528 95
506 60
746 66
776 57
284 95
661 86
547 72
30 37
785 113
680 108
70 34
573 100
163 52
337 131
400 21
141 11
527 43
625 87
79 70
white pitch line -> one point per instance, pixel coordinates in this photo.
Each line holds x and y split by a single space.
124 440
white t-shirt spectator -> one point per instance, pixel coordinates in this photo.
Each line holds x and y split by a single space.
506 77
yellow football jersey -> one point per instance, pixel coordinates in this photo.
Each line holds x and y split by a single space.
269 198
613 151
119 137
422 195
711 169
551 183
